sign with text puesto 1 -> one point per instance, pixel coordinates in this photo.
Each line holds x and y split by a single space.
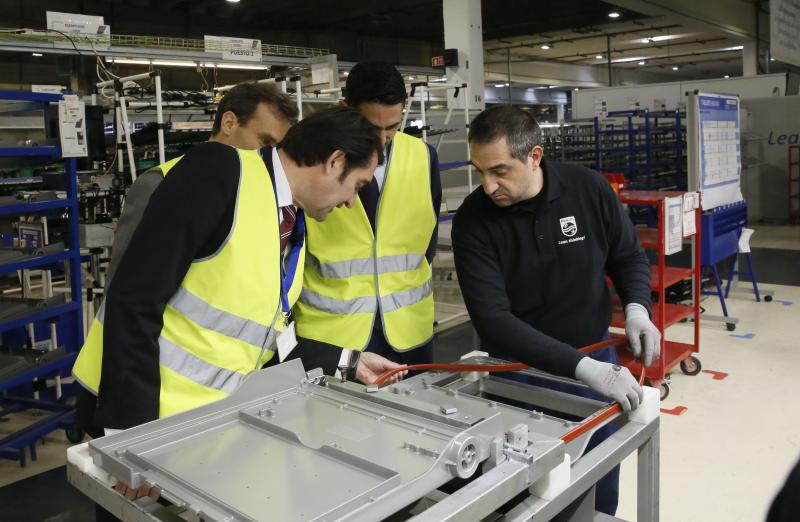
715 163
242 49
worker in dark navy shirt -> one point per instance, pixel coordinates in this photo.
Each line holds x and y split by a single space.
532 248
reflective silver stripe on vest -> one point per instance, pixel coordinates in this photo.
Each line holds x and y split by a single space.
392 302
196 369
365 265
359 305
363 305
220 321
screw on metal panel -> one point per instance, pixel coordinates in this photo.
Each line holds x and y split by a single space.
536 414
265 412
427 385
492 404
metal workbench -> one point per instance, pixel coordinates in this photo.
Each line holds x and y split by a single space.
286 446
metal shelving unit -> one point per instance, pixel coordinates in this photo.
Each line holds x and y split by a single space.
21 367
648 147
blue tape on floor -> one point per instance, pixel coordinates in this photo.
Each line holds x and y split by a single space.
785 303
744 336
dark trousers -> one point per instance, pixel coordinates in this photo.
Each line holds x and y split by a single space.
607 488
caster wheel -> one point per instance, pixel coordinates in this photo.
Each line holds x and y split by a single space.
664 388
74 434
768 298
730 326
691 365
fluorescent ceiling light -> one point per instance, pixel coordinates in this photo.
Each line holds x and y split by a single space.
771 59
734 48
347 73
599 56
233 1
241 66
641 62
552 86
577 88
727 76
499 84
631 59
411 78
171 63
675 67
37 54
614 14
545 46
660 38
129 61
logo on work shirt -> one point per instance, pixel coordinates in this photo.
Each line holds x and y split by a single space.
568 226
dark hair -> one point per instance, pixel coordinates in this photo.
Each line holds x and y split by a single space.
243 101
374 82
312 140
518 127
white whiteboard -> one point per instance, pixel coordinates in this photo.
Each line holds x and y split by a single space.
714 148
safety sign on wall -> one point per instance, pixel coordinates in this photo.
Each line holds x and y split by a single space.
242 49
72 127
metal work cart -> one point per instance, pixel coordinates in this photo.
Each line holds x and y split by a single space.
22 367
440 446
665 314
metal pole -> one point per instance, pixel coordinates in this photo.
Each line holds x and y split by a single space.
160 119
118 118
508 75
298 91
465 90
608 60
127 130
422 90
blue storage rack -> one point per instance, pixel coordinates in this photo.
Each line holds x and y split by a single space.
59 362
648 148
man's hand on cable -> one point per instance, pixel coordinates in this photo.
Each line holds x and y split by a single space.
644 339
371 366
611 380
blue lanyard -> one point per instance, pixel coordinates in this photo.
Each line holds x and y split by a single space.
287 275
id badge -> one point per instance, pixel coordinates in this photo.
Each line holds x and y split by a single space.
286 341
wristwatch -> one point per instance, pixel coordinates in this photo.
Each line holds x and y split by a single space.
348 371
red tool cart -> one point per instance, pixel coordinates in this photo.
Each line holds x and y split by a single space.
665 314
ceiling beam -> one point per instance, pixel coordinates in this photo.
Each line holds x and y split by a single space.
734 18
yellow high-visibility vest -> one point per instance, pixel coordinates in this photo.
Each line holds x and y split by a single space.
226 309
354 276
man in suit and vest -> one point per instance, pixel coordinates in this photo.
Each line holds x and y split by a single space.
203 293
367 284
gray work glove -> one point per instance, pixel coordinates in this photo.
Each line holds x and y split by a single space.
644 339
611 380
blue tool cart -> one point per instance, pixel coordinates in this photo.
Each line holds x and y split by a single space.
31 378
722 228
